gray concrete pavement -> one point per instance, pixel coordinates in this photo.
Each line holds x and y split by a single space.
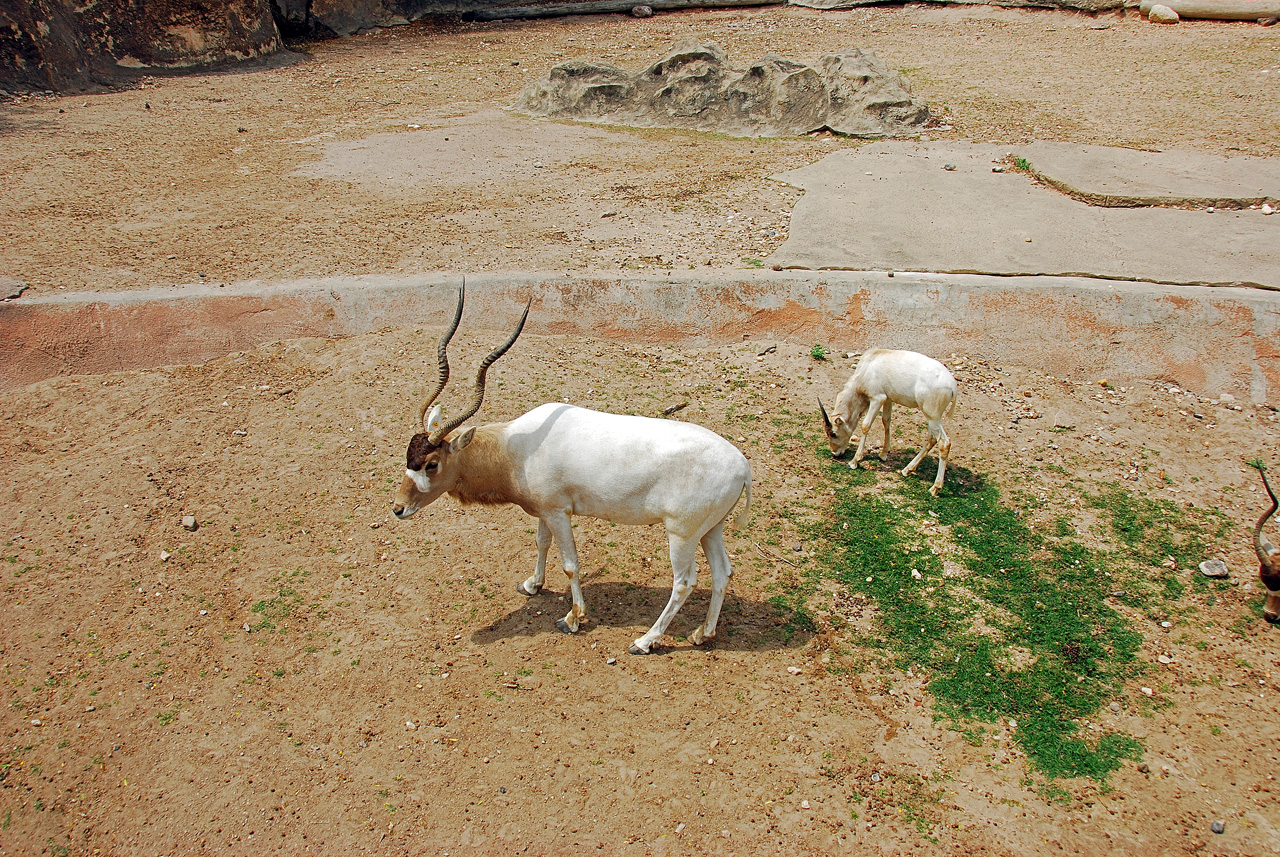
895 206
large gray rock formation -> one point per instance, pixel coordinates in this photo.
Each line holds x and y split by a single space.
695 86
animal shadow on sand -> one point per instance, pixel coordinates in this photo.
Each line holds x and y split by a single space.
960 479
745 624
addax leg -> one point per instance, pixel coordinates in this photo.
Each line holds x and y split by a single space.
944 453
533 585
684 578
562 529
721 570
863 427
885 414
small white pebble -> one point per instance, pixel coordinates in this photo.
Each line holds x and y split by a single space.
804 804
1147 691
794 670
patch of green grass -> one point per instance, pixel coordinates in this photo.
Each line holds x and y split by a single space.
1023 638
275 609
818 352
1151 530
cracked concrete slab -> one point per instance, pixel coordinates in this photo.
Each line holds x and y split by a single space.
897 206
1104 175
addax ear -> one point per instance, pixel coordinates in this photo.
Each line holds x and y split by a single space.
433 419
462 440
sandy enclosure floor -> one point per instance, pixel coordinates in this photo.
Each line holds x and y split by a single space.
316 168
303 672
392 692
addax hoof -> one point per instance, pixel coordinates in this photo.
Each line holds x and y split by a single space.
563 626
633 649
526 593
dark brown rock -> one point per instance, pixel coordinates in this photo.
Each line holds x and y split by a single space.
61 45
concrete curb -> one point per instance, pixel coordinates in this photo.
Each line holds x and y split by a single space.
1205 339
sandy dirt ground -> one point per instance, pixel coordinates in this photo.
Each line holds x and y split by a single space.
302 674
317 168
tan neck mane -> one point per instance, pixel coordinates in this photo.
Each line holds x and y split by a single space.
485 475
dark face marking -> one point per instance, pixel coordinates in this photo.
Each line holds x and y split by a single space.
419 448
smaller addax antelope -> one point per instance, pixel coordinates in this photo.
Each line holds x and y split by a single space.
559 460
1268 558
883 379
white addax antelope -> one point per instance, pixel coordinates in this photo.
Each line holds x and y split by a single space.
558 460
882 379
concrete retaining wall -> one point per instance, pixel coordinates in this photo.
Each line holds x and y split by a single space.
1203 339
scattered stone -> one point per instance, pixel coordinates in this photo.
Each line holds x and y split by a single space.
35 723
1267 209
794 670
641 11
804 804
1166 624
997 169
1164 659
1160 14
1147 691
1144 768
1115 707
611 661
951 168
1214 568
189 523
915 572
90 708
1269 21
410 725
694 86
1218 827
164 556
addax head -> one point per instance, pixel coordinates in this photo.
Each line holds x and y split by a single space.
1268 557
839 432
432 462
